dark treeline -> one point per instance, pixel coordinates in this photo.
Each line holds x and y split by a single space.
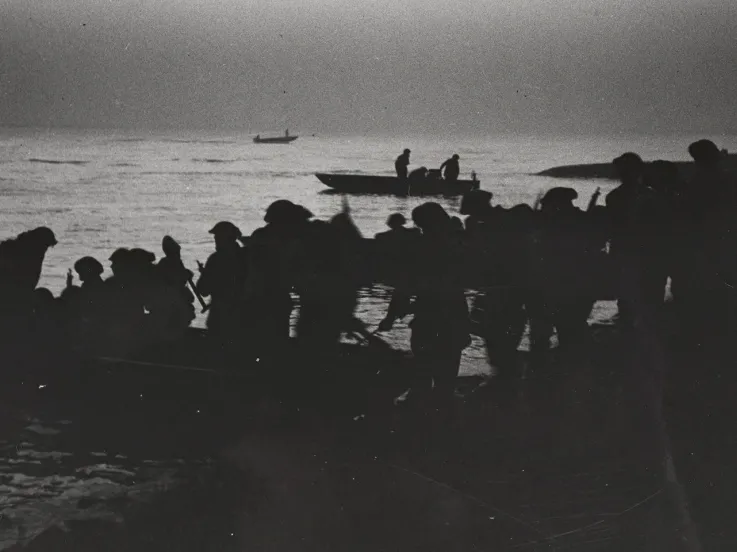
544 265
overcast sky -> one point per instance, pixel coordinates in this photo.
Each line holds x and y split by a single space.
359 66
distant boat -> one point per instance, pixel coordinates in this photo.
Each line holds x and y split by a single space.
392 185
286 139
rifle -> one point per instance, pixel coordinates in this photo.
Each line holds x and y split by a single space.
594 199
204 305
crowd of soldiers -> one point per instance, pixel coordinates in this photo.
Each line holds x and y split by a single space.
543 266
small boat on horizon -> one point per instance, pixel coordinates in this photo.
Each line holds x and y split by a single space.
432 184
286 139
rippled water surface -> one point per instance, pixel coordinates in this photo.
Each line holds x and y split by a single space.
103 190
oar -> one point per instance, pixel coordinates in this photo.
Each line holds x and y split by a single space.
204 305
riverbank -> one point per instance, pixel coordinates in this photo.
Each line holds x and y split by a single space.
606 171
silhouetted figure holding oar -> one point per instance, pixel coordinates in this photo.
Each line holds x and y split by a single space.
440 327
401 164
223 278
452 168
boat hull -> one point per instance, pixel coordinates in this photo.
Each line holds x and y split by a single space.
276 140
391 185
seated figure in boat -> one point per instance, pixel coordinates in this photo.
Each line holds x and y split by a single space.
174 304
129 294
452 168
85 304
420 173
21 261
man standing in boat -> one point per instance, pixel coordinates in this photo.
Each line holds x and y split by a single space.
402 163
452 169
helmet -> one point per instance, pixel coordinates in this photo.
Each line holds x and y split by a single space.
474 201
704 151
41 236
429 215
396 220
170 244
628 160
120 255
139 256
559 195
281 211
456 156
88 265
226 229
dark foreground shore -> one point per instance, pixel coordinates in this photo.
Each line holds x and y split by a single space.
576 456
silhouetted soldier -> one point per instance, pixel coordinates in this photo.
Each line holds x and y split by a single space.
331 269
498 240
22 258
48 322
174 301
563 290
21 262
401 164
440 326
124 305
146 284
710 211
85 303
657 230
452 169
393 254
621 203
223 277
272 259
396 223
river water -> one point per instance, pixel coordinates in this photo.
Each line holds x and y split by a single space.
100 190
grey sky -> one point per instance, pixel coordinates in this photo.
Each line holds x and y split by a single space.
371 66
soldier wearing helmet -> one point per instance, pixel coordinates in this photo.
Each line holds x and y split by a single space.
222 278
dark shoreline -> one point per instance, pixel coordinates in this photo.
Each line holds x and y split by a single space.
606 170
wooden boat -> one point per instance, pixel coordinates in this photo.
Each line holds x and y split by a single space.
286 139
392 185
